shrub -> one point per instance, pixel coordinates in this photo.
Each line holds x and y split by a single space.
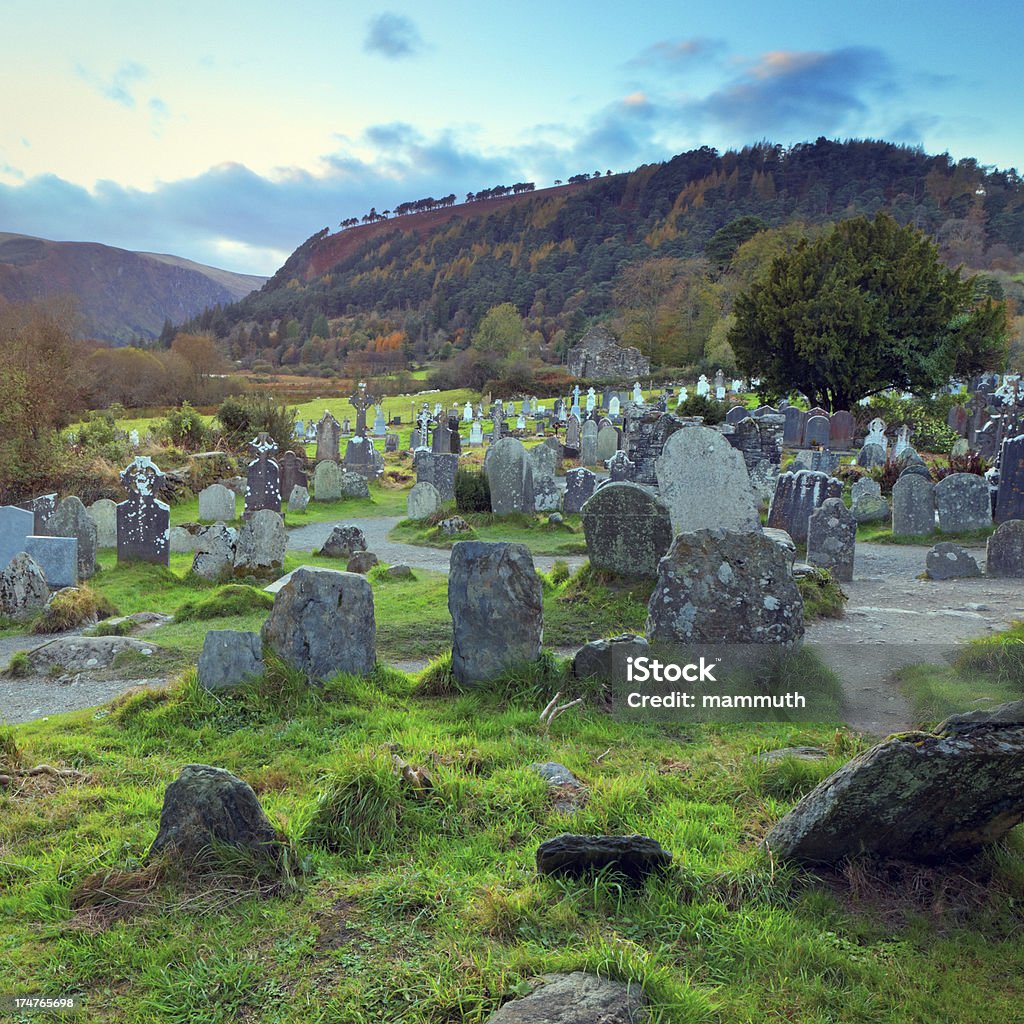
472 491
971 462
185 427
823 597
245 416
701 405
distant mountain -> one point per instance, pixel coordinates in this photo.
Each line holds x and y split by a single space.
121 294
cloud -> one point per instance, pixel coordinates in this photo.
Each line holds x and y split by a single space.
159 114
119 85
678 55
393 36
811 93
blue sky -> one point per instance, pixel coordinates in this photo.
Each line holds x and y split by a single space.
228 132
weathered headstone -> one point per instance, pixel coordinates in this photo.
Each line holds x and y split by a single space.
103 512
261 544
42 507
1004 553
831 539
72 520
423 501
438 470
143 522
579 486
363 458
215 552
871 456
547 496
628 528
816 431
572 433
507 470
796 496
948 561
913 506
866 502
328 439
23 587
326 481
390 444
263 482
735 414
842 427
718 586
793 434
705 483
216 504
963 502
293 473
1010 495
323 622
57 557
229 657
343 542
15 525
496 602
298 499
607 443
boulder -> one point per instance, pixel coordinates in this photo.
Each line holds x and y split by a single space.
323 622
496 602
23 588
362 562
344 542
209 806
259 550
832 539
575 998
636 857
718 586
229 657
606 659
924 797
948 561
215 552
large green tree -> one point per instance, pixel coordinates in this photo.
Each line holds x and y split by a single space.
866 306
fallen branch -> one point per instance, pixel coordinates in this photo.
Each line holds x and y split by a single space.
554 709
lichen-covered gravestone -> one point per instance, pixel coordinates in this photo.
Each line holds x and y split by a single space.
438 470
588 443
948 561
547 496
143 522
298 499
496 602
579 486
831 539
216 504
1004 553
913 506
326 481
718 586
323 623
263 483
423 501
796 496
867 504
215 552
1010 495
705 483
103 512
261 544
72 520
510 477
628 529
963 502
328 439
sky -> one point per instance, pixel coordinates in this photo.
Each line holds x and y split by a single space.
229 132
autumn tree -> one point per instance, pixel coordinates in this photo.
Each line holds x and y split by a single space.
641 291
865 307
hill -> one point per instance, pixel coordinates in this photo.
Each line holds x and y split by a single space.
554 253
121 294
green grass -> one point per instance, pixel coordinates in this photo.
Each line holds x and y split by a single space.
881 533
540 536
824 597
429 909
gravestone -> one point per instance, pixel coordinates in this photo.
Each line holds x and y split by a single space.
441 440
820 460
866 502
423 501
263 483
902 442
705 483
298 500
328 439
476 433
229 658
722 586
816 432
323 623
572 433
796 496
143 522
948 561
957 419
913 506
842 427
215 552
390 444
15 525
736 414
496 602
793 432
1010 494
293 473
607 443
588 444
621 468
57 557
361 457
216 504
360 400
628 528
871 456
438 470
72 520
42 507
352 485
1004 553
876 435
260 548
831 539
103 513
547 496
380 424
963 502
327 481
510 477
579 486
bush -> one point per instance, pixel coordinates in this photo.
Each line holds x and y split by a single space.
926 418
701 405
823 597
472 491
971 462
245 416
185 427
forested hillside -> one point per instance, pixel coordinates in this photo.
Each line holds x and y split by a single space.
559 255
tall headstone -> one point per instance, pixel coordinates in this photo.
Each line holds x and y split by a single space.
1010 495
963 502
628 528
441 441
363 458
328 439
913 506
15 525
793 433
103 512
572 433
507 470
876 434
579 486
438 470
816 431
293 473
588 443
796 496
143 522
263 484
705 483
72 520
547 496
607 443
831 539
380 424
842 427
476 433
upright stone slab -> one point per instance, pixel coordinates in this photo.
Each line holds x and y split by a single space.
588 444
215 552
796 496
57 557
229 658
1004 553
913 506
607 443
496 603
298 499
718 586
793 432
423 501
579 486
15 525
816 432
871 456
621 468
735 414
572 433
628 529
263 482
143 523
293 473
547 496
261 544
705 483
963 502
328 439
216 504
507 469
842 427
438 470
23 587
103 512
363 458
867 504
831 539
72 520
327 481
1010 496
323 623
42 507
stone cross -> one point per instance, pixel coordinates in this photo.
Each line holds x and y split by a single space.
263 486
361 401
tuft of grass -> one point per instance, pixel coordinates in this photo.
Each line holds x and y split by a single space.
823 597
226 601
19 666
437 679
73 607
12 753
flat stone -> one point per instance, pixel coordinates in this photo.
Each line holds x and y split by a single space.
600 658
576 998
79 653
948 561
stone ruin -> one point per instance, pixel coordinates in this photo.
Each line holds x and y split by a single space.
599 357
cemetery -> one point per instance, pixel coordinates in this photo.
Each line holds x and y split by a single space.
349 703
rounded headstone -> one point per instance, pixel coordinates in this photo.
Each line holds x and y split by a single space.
423 501
298 500
628 529
1004 553
216 504
963 502
913 506
326 481
72 520
104 514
